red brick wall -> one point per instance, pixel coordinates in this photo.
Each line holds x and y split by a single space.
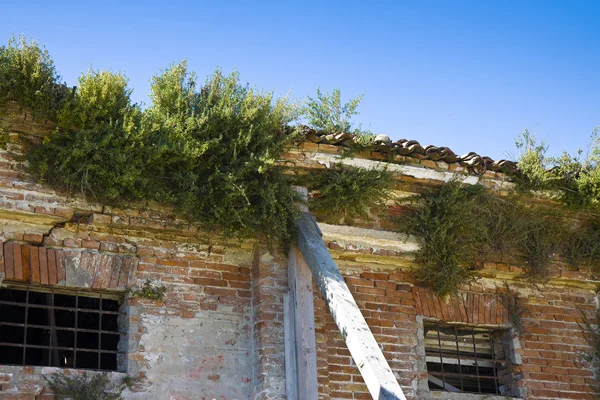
198 339
550 345
219 330
21 262
388 306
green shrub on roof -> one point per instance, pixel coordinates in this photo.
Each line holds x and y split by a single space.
28 77
572 179
211 149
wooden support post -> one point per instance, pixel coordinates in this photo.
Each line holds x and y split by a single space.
300 282
367 355
299 331
289 335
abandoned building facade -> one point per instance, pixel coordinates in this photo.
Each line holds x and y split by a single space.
73 298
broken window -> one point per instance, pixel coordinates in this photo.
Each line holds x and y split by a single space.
466 359
59 328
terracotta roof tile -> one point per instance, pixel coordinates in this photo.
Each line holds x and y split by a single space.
411 148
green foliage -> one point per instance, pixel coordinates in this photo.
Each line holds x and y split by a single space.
216 152
4 139
447 224
104 163
460 224
326 112
516 310
212 152
533 163
102 98
349 193
28 76
581 244
85 387
575 179
540 244
148 291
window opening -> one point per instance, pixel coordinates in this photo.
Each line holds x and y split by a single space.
74 330
465 359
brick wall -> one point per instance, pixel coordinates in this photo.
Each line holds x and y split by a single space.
549 350
218 333
388 306
196 341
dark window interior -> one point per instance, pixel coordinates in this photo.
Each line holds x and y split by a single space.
60 330
464 359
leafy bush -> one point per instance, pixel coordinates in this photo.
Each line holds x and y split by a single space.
28 76
326 112
541 243
212 151
104 163
102 98
447 224
574 179
533 163
460 224
581 244
215 153
85 387
349 193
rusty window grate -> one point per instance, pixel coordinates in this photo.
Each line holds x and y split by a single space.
465 359
67 329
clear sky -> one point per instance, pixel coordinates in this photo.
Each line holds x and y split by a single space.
469 75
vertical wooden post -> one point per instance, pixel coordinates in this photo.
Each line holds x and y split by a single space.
289 336
303 321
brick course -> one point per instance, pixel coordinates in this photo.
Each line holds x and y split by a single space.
218 332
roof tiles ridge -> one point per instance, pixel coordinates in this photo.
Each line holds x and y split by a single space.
410 148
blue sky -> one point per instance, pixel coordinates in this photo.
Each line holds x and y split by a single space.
469 75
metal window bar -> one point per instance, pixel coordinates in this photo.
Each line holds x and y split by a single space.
39 346
76 333
462 387
87 310
52 328
441 357
494 370
25 328
53 345
450 352
100 334
476 360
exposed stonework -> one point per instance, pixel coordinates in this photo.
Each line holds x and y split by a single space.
218 332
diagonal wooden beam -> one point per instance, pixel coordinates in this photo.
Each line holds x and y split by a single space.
367 355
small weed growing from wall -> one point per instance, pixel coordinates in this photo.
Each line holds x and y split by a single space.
4 139
347 193
539 246
461 224
516 310
448 225
148 291
85 387
581 244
